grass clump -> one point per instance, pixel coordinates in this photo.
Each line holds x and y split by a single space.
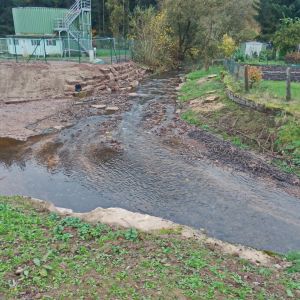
46 256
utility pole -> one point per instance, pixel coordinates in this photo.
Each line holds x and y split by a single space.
103 16
123 19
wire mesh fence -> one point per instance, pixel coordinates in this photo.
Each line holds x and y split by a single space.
45 48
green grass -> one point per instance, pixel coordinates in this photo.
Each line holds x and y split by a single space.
203 73
273 93
244 127
66 258
269 62
191 89
109 52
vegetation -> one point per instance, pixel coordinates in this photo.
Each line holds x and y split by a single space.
190 30
293 58
48 257
245 127
105 18
270 12
287 37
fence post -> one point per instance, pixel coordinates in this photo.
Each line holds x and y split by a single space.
288 84
246 78
45 53
16 55
111 51
125 50
237 71
79 52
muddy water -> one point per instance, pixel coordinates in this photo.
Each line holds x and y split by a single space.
150 177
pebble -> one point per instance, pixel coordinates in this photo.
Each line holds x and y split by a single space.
19 271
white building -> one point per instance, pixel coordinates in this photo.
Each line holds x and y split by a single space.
253 48
34 45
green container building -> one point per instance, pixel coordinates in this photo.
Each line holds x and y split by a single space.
36 20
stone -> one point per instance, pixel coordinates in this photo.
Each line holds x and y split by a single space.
58 127
196 101
178 111
134 84
133 94
211 98
212 76
210 92
19 271
99 106
112 109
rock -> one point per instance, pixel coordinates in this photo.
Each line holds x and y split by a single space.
112 109
211 92
178 111
178 88
19 271
132 94
196 101
134 84
212 76
99 106
58 127
211 98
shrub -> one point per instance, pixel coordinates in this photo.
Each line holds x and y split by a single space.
255 75
266 55
228 46
293 58
239 56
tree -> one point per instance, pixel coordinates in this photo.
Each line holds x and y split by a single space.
228 45
287 37
269 13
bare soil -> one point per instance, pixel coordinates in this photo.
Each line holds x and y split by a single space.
36 97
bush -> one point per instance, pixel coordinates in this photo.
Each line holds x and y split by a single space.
255 75
239 56
292 58
266 55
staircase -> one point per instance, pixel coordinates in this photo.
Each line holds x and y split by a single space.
67 24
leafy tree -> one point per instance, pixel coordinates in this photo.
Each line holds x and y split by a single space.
287 37
269 13
228 45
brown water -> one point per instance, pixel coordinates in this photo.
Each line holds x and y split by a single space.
153 178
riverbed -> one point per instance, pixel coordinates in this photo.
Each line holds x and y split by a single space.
145 174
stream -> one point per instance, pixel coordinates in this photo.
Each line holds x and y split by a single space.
151 177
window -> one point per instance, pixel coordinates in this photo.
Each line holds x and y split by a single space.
35 42
51 42
15 42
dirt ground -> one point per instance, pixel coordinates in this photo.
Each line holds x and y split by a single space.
38 97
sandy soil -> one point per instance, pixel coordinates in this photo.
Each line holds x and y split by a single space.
37 96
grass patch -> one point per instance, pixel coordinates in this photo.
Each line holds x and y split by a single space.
244 127
265 63
191 89
48 257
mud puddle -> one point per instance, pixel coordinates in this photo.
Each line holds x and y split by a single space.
90 165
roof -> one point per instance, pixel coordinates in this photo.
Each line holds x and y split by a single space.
36 20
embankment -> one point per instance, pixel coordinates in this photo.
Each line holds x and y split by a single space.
38 81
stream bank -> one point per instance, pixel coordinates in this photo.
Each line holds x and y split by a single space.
145 159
